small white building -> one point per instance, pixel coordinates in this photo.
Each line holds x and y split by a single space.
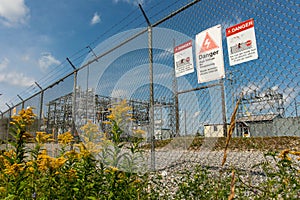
214 130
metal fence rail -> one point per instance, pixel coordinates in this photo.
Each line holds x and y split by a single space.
138 65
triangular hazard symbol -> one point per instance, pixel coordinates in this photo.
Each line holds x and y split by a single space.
208 44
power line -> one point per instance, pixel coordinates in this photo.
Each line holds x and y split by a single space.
61 70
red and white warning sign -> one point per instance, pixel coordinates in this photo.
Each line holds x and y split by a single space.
210 63
183 59
208 44
241 42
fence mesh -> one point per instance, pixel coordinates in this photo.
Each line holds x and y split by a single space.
121 68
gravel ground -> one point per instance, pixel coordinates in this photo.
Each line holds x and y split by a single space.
172 159
170 162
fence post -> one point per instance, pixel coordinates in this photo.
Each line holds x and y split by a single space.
223 108
73 98
8 124
175 90
74 103
41 105
21 100
151 100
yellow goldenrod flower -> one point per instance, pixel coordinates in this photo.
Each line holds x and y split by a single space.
31 169
2 190
65 138
43 161
43 165
14 169
42 137
43 153
113 169
10 153
90 129
29 163
27 135
24 117
83 151
120 112
57 162
46 162
4 161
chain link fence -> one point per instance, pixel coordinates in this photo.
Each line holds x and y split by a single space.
138 65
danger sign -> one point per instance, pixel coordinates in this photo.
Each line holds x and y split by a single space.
183 59
241 42
210 63
208 44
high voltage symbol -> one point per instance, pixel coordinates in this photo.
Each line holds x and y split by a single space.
208 44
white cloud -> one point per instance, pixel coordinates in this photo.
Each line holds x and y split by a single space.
47 60
4 63
13 12
254 87
11 79
17 79
96 19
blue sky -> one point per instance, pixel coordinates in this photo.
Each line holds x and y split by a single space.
36 36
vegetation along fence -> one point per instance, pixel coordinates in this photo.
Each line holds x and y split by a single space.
182 75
